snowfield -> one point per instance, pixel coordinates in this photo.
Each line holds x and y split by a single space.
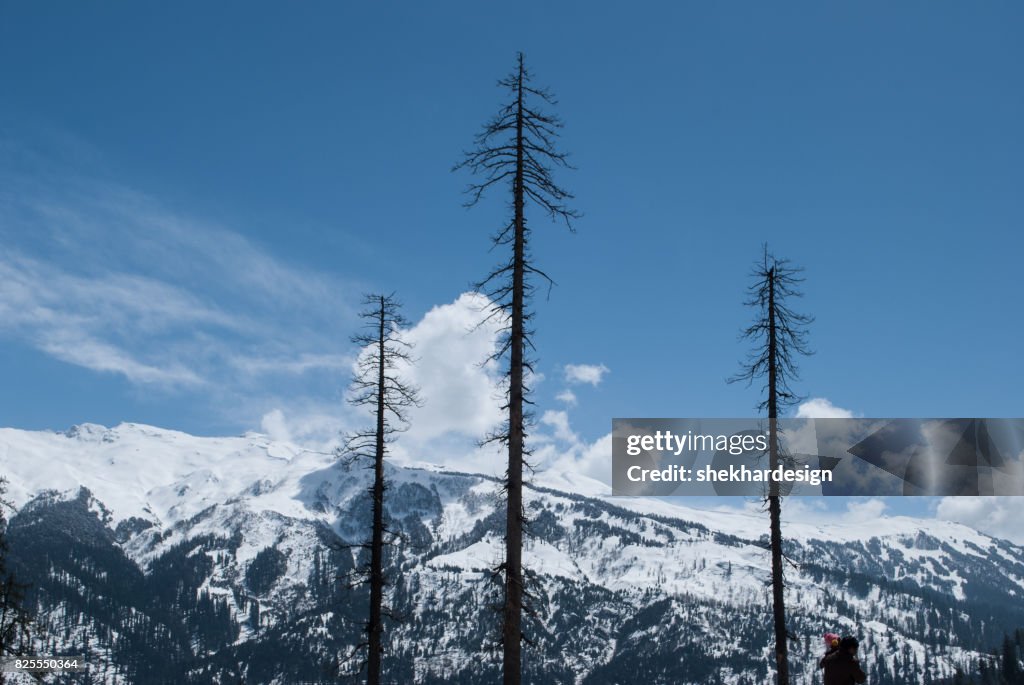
599 561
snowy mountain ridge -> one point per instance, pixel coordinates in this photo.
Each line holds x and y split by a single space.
166 476
250 535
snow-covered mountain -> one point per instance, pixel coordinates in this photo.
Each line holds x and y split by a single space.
174 558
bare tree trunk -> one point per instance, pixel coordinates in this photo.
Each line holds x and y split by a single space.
378 386
512 625
375 626
516 147
774 499
778 334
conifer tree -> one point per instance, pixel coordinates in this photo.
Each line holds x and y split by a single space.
15 618
516 150
778 335
378 385
1012 672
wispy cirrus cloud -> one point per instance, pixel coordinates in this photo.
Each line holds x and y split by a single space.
102 276
96 322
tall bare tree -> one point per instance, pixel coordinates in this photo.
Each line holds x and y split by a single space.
778 335
516 151
377 384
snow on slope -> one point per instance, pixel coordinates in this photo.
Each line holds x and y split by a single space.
160 475
743 522
267 493
167 476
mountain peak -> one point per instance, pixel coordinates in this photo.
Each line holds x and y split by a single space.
89 432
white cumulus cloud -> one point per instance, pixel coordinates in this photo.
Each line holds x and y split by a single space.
862 510
821 408
996 516
461 391
567 396
275 426
585 373
559 422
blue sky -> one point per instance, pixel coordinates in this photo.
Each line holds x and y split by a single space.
193 198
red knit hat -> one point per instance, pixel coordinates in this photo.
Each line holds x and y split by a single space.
831 640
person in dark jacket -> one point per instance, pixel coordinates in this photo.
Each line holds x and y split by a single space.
841 666
831 645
